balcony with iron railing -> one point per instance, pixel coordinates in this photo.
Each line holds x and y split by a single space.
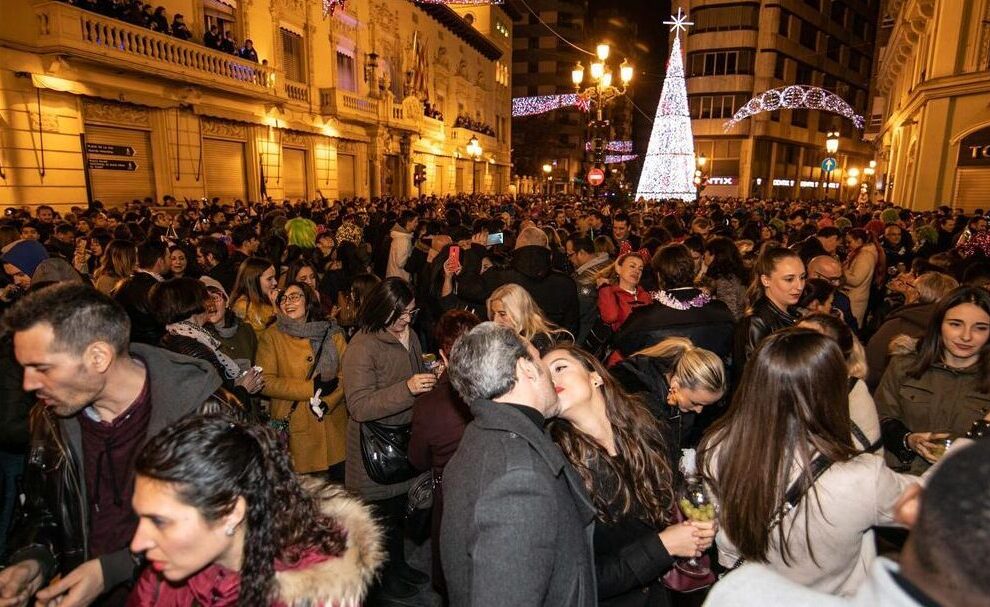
64 28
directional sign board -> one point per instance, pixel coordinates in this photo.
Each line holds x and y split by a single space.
107 164
109 150
596 177
829 164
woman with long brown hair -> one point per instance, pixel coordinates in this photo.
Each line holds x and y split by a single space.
617 447
255 292
118 262
787 439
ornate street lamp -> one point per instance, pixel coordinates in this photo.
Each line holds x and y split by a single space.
474 151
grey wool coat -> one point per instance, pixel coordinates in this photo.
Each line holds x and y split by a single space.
375 369
517 523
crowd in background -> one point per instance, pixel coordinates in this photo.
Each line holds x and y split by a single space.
315 386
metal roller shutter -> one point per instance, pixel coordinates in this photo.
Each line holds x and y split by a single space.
345 176
972 189
294 174
119 164
225 169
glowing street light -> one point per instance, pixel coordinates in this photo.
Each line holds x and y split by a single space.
602 51
832 143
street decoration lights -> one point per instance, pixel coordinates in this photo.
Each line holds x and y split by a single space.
700 176
474 151
869 172
601 91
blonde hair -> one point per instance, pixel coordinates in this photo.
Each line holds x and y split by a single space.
526 315
694 367
933 286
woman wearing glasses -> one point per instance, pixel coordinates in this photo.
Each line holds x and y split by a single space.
383 372
299 355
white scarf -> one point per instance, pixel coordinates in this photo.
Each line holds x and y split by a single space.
191 330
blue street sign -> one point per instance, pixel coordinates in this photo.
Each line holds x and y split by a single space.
829 164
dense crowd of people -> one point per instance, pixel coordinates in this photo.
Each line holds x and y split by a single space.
572 403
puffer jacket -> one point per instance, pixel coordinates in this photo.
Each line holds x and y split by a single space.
51 524
941 400
314 580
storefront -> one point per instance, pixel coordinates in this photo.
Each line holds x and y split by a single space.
119 164
972 179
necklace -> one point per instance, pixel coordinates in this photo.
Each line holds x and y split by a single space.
699 300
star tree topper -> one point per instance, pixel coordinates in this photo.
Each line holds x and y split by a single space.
679 22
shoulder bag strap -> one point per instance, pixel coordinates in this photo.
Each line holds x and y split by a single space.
793 496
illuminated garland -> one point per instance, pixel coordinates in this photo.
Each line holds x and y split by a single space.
619 147
617 158
329 6
463 2
797 97
530 106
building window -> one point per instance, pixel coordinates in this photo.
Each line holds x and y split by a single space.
799 118
293 63
725 18
833 48
345 72
780 67
855 61
720 107
815 4
804 75
838 13
220 15
784 25
721 63
809 35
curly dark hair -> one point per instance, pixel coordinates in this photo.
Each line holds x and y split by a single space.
641 471
213 460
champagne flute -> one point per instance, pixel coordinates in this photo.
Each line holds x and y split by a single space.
696 506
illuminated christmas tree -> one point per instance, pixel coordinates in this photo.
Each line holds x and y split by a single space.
668 168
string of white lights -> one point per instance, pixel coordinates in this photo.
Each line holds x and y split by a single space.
530 106
796 97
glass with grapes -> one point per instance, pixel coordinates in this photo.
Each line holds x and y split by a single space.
696 506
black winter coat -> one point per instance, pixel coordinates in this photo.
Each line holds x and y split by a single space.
765 319
132 294
629 556
531 268
709 326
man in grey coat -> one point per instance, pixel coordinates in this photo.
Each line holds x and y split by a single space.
517 523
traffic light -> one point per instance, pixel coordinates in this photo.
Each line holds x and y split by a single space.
419 174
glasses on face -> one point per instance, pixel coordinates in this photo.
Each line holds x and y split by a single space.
409 315
293 297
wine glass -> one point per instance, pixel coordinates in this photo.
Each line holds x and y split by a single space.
696 506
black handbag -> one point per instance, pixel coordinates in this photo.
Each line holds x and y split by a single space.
383 451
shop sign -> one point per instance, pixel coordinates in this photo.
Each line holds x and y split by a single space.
974 149
721 181
107 164
109 150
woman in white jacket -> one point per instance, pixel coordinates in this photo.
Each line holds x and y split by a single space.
791 409
864 263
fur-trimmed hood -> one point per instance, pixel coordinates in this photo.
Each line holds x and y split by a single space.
341 581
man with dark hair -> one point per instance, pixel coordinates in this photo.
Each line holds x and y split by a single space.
246 243
214 260
943 561
587 266
517 523
622 231
99 398
132 292
62 242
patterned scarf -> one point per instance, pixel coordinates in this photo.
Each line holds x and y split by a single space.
191 330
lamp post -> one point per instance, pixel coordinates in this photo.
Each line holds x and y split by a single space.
852 177
474 151
699 176
547 169
869 172
601 91
831 147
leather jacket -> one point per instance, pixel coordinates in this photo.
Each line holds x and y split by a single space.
50 523
764 319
